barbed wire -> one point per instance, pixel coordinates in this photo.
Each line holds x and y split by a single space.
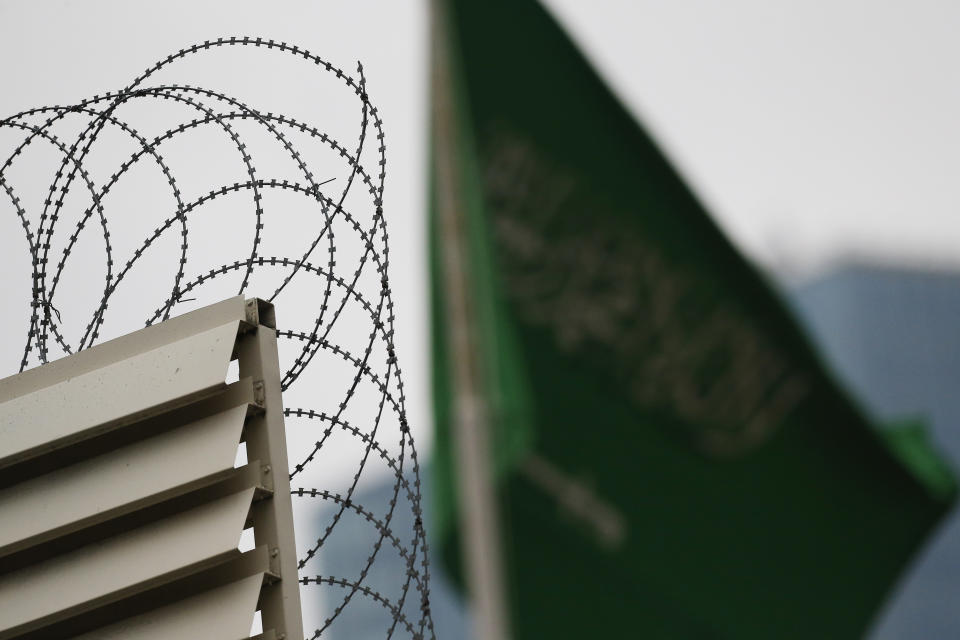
57 223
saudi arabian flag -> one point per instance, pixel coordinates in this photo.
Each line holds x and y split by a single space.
668 456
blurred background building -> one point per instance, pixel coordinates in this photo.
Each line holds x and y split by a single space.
890 335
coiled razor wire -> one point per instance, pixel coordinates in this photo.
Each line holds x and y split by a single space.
349 209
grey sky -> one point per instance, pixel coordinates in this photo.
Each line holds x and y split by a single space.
812 129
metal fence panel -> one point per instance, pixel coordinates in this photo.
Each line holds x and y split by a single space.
120 507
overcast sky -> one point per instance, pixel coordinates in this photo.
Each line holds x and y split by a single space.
814 130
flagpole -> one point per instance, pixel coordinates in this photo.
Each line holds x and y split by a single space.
476 491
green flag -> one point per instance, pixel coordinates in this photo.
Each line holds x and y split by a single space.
669 456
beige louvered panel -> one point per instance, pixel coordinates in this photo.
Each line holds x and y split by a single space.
98 570
70 409
224 613
120 477
120 509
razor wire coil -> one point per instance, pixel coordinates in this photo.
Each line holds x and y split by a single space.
363 284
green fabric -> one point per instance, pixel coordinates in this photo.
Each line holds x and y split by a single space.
909 440
673 460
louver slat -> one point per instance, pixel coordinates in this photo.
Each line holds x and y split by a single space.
224 613
91 403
